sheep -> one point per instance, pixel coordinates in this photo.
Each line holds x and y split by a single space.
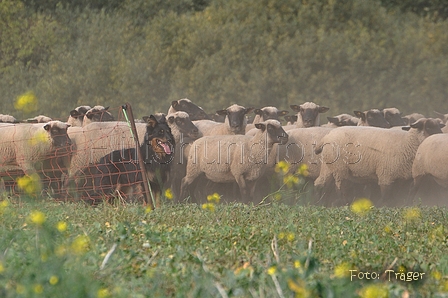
372 117
235 122
430 161
94 141
290 119
97 114
8 119
237 158
300 149
341 120
186 105
307 115
393 116
184 132
411 118
42 148
76 117
358 154
443 117
264 114
39 119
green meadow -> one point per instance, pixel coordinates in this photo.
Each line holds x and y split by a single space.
58 249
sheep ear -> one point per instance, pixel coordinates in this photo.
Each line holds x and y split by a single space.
360 115
333 120
417 124
295 108
145 119
74 113
31 120
258 112
248 110
442 125
261 126
282 113
440 115
221 112
406 128
106 108
323 109
47 127
174 103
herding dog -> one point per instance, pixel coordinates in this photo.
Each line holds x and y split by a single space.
119 171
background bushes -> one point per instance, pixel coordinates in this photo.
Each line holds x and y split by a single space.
345 54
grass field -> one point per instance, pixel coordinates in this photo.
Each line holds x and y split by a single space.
50 249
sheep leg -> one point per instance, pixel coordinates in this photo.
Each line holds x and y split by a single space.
414 188
243 187
386 192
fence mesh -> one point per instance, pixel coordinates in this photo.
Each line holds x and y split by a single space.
35 161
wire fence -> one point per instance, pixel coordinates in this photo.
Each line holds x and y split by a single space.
91 163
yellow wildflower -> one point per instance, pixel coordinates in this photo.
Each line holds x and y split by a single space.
277 196
290 237
214 198
209 206
148 209
290 180
303 170
2 268
374 291
282 166
37 218
361 206
272 270
168 194
61 226
38 289
387 229
297 264
26 102
299 288
30 184
281 235
53 280
20 289
342 270
38 138
436 275
411 214
103 293
80 245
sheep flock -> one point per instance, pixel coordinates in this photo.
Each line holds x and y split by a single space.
244 153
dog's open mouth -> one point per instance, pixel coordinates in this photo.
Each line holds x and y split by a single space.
165 146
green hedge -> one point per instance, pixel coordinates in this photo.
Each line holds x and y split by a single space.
347 55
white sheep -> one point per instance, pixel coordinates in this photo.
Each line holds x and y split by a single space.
360 154
8 119
300 149
39 119
237 158
341 120
97 114
94 141
431 161
186 105
308 115
393 116
235 122
264 114
42 148
76 116
372 117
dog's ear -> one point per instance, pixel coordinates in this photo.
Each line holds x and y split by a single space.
151 121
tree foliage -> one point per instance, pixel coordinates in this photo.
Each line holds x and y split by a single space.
345 54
